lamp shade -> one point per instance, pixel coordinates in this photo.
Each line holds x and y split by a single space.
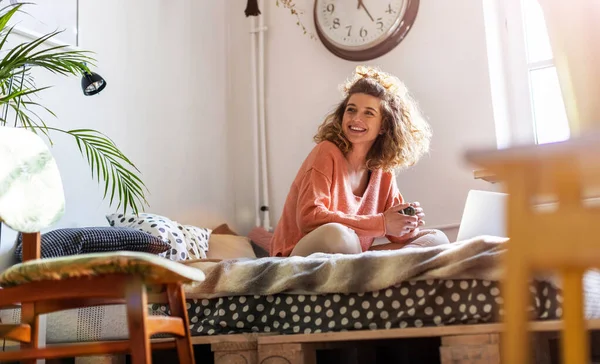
92 83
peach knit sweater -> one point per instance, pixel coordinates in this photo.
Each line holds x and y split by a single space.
321 194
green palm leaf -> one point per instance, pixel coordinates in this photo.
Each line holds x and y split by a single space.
105 160
17 96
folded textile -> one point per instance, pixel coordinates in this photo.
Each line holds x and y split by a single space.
320 273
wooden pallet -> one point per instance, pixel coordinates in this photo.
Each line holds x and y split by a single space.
460 344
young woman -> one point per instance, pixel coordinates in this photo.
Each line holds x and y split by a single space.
345 193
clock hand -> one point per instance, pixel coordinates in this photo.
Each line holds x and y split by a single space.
360 3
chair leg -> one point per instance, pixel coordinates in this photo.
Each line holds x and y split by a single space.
178 307
28 316
31 251
137 313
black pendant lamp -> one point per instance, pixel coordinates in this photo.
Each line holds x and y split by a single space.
92 83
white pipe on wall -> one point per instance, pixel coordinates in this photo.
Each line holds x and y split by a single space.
266 223
257 64
253 75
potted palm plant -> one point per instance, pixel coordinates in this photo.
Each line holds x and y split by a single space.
19 108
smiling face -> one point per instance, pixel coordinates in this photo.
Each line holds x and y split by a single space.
362 120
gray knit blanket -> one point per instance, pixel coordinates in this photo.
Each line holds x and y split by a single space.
319 273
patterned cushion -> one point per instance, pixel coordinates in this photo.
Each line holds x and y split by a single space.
152 268
71 241
186 241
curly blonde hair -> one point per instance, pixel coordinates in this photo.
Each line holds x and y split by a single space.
406 133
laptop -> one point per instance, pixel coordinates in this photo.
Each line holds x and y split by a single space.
484 214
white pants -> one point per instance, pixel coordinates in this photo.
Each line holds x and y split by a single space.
337 238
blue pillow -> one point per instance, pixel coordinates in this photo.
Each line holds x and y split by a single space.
72 241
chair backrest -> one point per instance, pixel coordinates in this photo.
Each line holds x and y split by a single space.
31 191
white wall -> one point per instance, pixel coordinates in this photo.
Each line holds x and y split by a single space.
178 104
443 61
164 106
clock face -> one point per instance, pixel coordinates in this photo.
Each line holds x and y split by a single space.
360 29
353 24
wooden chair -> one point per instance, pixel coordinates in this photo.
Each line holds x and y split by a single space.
561 238
31 199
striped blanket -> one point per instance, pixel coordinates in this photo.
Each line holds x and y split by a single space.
319 273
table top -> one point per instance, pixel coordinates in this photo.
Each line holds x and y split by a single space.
586 148
577 158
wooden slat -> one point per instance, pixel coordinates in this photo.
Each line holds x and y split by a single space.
104 287
72 350
164 325
234 346
16 332
45 307
32 246
158 298
536 326
482 339
162 344
233 338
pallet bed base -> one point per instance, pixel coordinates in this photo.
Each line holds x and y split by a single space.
474 349
462 349
235 352
460 344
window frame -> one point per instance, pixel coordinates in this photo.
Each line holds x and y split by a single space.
521 124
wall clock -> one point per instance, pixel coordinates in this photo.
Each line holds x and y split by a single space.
360 30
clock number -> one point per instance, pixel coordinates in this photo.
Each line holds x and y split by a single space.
349 29
379 24
363 32
330 8
336 23
389 9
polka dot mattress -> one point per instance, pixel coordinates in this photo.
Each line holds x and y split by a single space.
410 304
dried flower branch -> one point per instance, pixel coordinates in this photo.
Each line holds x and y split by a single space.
289 4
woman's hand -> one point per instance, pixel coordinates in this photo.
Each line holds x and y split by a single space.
398 224
419 212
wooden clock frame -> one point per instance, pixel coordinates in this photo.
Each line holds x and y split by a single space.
392 39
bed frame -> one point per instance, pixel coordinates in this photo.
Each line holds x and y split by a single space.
460 344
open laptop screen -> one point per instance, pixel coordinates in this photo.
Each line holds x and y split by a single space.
484 214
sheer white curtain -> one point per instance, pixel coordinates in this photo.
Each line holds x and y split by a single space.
574 30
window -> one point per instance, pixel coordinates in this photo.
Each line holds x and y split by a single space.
536 111
549 115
